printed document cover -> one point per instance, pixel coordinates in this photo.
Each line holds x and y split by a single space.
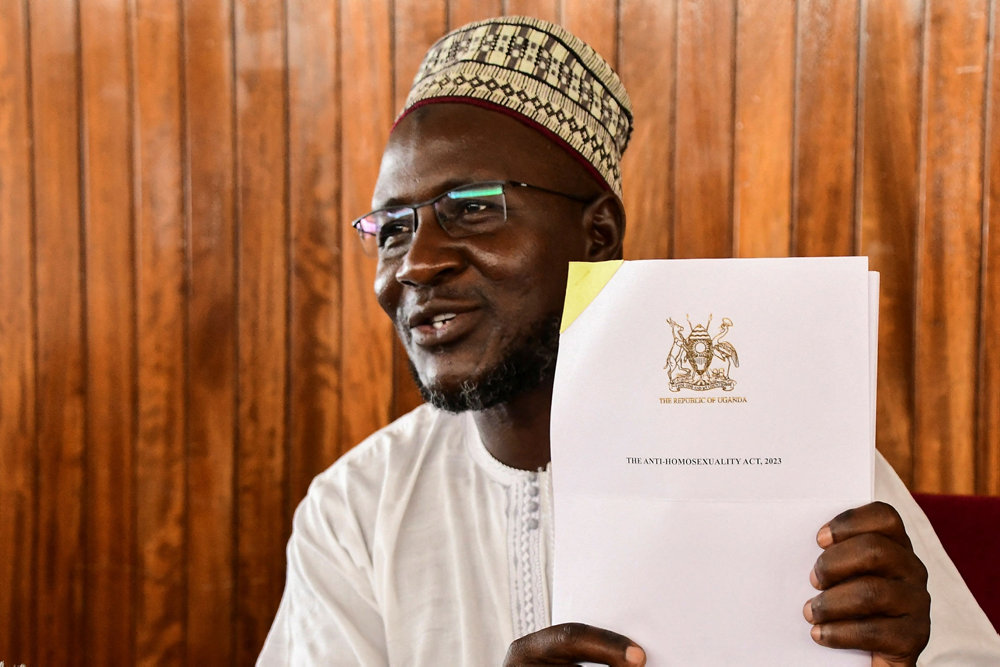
708 417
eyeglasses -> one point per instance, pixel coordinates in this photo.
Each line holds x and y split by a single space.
476 208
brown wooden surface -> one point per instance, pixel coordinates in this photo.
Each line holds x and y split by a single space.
18 433
263 284
703 154
648 175
211 336
314 201
160 454
826 112
890 206
187 327
110 324
765 94
988 460
61 400
949 246
366 371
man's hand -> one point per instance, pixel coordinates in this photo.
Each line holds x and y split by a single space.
874 588
572 643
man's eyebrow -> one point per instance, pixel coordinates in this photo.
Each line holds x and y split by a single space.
441 188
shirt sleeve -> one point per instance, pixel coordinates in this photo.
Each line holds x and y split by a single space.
328 613
961 634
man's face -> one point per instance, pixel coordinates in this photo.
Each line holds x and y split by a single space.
475 309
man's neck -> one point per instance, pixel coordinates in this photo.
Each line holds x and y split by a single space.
517 433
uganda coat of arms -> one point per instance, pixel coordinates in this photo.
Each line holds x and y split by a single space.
689 362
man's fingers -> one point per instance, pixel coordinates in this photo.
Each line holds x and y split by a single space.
866 597
570 643
887 638
877 517
874 587
870 553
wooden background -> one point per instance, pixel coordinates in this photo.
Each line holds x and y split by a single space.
187 329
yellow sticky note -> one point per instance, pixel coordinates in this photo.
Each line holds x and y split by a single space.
585 281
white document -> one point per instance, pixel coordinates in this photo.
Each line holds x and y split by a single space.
708 417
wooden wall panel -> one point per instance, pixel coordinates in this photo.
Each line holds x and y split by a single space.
764 88
366 72
212 341
316 222
596 23
988 441
704 152
416 25
188 332
550 10
160 463
890 206
948 247
61 412
262 209
826 110
461 12
648 165
110 316
18 455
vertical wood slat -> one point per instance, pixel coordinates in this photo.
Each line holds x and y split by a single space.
366 69
948 247
160 491
890 196
262 197
825 127
61 402
315 196
595 23
211 336
543 9
988 441
418 24
764 89
461 12
647 166
703 156
18 492
110 312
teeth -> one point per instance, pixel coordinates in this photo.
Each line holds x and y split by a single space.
438 320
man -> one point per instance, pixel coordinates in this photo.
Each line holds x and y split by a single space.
430 542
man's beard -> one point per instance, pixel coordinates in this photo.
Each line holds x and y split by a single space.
527 363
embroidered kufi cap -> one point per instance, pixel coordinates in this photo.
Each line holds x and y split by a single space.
539 73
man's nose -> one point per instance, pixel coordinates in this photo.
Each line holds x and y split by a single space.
433 254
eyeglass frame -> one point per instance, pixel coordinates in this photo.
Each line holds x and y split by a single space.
414 208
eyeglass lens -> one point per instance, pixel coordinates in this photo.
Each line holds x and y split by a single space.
465 211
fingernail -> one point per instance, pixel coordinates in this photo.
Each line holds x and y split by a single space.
825 536
816 633
813 579
635 656
807 611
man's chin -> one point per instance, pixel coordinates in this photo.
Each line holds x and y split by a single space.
524 367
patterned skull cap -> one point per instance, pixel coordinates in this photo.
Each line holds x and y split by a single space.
539 73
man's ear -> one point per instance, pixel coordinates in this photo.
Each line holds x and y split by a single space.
604 221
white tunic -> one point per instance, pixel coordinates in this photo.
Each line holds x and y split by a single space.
417 547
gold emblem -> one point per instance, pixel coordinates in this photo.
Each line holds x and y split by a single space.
689 362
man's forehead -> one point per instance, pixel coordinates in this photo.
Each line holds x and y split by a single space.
444 145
